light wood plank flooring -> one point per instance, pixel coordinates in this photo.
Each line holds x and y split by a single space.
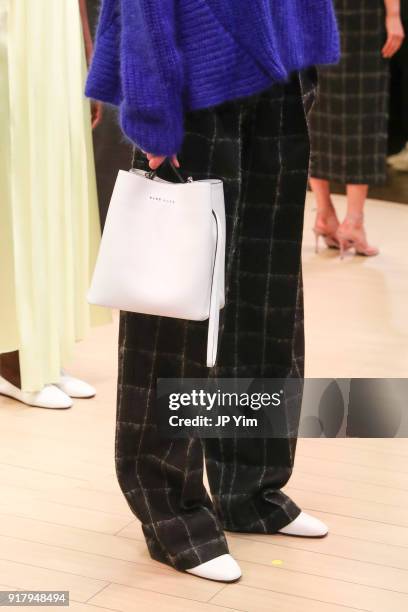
356 322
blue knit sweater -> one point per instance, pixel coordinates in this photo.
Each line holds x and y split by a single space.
156 59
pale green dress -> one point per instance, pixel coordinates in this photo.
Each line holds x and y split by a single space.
49 224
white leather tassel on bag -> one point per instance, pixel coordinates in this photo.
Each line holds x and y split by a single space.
162 251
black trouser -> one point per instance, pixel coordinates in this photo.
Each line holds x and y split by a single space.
259 146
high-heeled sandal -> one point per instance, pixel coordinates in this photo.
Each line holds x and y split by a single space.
351 234
326 227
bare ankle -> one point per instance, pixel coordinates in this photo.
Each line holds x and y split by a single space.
327 211
354 219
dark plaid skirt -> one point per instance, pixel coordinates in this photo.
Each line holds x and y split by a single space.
349 120
259 147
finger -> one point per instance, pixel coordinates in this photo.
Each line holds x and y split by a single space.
389 45
98 118
149 156
94 119
392 46
175 161
397 44
387 51
390 52
155 162
386 47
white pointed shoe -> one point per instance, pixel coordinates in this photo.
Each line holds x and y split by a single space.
223 568
305 526
400 158
49 397
74 387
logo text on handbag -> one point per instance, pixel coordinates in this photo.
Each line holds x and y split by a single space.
160 199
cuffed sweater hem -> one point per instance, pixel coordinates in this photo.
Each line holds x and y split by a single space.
160 135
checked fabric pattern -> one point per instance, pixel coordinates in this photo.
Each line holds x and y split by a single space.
349 128
259 147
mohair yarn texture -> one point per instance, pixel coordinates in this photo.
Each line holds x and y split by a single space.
157 59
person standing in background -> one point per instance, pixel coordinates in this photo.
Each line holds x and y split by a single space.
348 124
49 222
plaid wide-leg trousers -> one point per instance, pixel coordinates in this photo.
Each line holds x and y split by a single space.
259 147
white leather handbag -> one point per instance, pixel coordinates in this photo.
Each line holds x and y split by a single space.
162 250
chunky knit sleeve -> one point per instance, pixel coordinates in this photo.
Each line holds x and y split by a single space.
151 111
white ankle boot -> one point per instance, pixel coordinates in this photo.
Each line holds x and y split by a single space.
223 568
74 387
49 396
305 526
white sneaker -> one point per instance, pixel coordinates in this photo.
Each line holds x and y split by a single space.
399 159
49 397
74 387
223 568
305 526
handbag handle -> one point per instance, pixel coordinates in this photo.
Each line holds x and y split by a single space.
153 173
214 312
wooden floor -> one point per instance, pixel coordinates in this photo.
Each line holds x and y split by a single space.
65 525
355 309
